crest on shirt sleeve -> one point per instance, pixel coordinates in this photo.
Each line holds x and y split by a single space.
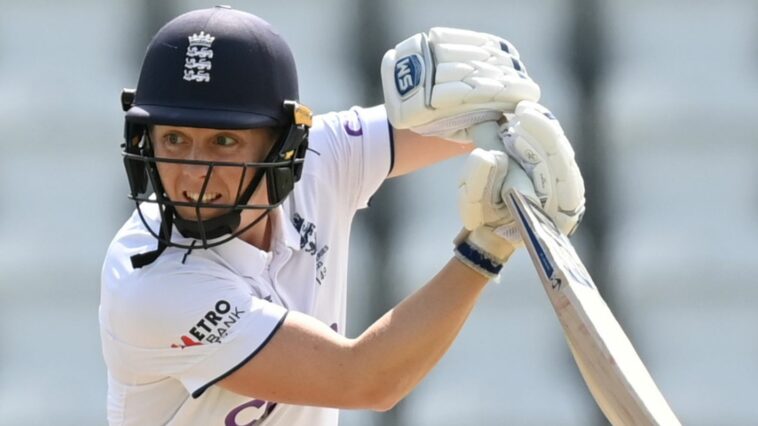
309 244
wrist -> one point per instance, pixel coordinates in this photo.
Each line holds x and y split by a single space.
483 251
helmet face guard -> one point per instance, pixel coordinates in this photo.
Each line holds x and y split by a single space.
282 167
222 69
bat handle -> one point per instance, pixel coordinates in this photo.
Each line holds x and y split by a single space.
486 136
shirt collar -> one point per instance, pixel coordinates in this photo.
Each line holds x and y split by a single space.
250 260
245 258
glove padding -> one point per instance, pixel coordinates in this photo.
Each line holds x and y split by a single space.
540 164
490 233
535 139
442 83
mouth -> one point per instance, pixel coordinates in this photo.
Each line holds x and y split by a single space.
194 197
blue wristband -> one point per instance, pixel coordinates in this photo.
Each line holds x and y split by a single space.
473 257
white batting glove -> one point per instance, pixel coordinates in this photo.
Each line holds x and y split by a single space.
490 234
540 163
442 83
535 139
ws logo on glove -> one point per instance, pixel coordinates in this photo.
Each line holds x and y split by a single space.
408 72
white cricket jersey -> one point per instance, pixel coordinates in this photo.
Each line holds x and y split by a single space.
174 328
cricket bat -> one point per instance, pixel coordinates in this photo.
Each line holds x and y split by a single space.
614 373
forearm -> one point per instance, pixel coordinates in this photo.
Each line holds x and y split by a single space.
400 348
414 152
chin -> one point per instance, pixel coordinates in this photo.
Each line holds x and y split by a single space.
205 213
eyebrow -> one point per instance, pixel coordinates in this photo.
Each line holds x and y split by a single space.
171 130
241 135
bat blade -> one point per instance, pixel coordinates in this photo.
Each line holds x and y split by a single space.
611 368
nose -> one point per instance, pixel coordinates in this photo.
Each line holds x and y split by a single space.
196 171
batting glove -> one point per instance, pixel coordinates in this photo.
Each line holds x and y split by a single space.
535 139
540 163
442 83
490 234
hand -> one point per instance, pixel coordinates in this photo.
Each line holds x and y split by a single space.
442 83
540 164
490 233
535 139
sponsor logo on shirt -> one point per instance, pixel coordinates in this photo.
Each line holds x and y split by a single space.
250 413
353 126
309 245
213 326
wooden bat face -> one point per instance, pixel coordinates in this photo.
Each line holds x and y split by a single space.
614 373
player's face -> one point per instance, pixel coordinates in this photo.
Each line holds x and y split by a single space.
184 182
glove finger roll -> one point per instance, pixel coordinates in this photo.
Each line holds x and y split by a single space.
453 71
570 191
517 90
459 53
455 35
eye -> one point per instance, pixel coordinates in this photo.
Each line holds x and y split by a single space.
174 139
225 140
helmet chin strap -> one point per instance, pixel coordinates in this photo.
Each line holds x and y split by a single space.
221 225
141 259
209 229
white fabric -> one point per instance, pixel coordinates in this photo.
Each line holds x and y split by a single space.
442 83
176 326
535 139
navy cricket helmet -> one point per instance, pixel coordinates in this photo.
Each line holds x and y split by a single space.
216 68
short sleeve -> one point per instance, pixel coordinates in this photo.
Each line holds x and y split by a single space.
252 332
355 152
194 326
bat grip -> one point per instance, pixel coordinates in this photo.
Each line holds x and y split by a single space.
486 136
